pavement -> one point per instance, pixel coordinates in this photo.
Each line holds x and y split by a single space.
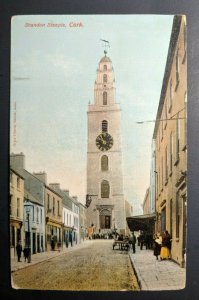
154 275
42 256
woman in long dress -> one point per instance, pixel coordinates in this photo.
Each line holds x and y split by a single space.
165 251
157 245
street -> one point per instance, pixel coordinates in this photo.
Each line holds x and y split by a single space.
95 267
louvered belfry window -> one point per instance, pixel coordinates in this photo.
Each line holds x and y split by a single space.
104 126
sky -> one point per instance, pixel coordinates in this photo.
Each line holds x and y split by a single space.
53 69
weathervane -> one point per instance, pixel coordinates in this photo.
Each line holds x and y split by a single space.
106 45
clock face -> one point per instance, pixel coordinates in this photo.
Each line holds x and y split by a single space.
104 141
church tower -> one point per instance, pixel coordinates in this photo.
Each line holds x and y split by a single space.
104 157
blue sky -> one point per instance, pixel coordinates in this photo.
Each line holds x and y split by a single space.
53 70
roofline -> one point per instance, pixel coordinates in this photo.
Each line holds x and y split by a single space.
16 173
57 193
172 45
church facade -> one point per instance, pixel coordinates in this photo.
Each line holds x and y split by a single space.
106 211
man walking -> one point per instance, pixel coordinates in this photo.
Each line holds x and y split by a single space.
133 241
19 250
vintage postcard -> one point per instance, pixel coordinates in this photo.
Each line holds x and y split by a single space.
98 161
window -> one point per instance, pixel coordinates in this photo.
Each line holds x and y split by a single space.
58 207
177 138
18 207
166 117
104 163
171 216
163 219
104 98
33 213
171 152
48 202
13 236
177 69
162 127
170 95
53 205
18 182
185 119
41 215
105 189
10 204
105 67
104 126
177 215
166 165
104 78
37 218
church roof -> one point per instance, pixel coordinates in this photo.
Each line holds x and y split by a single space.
105 59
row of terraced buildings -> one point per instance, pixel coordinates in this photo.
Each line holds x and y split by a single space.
53 217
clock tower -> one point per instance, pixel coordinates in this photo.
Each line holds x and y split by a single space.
106 211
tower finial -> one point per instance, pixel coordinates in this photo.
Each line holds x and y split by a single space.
105 45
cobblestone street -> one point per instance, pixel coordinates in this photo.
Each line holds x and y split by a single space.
95 267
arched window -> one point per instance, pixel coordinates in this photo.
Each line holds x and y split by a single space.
104 126
104 98
104 163
105 67
105 189
104 78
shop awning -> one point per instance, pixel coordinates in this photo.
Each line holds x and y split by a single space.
142 222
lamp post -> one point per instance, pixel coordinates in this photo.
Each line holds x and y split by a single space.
28 205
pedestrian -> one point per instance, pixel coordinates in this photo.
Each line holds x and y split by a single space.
166 245
168 241
147 241
66 240
19 250
52 244
26 253
142 240
133 241
157 245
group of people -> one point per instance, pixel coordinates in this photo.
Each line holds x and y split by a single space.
145 239
162 245
131 240
19 250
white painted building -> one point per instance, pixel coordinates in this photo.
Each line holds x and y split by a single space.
70 217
